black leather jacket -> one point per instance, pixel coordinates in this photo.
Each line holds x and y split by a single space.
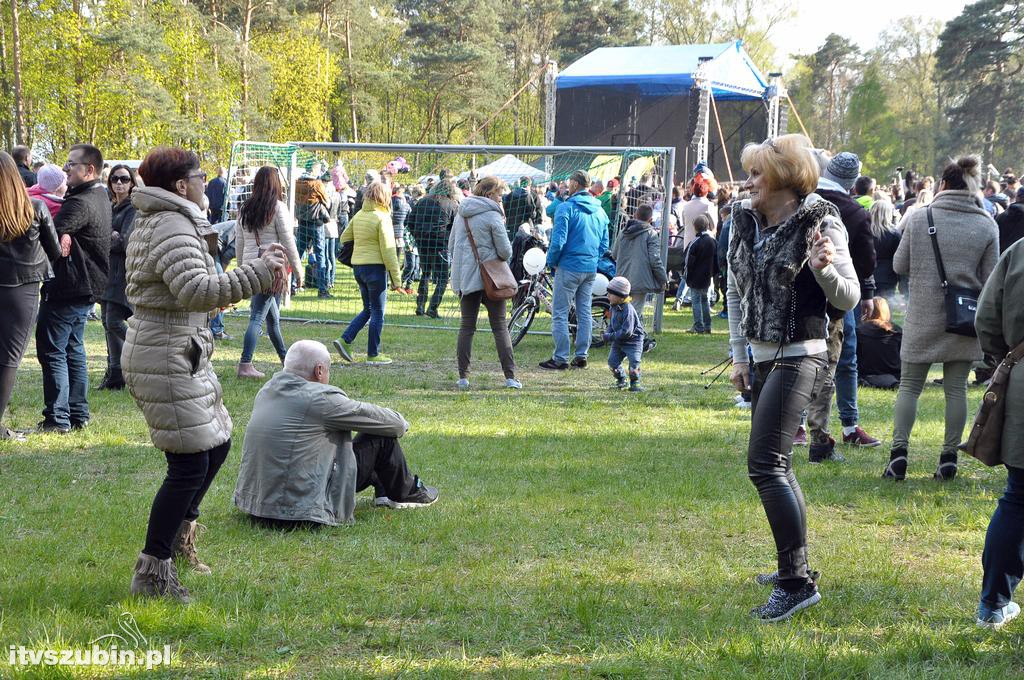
27 258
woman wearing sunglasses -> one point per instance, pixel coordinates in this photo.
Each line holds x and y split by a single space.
114 305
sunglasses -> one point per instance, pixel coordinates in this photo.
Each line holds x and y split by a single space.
120 179
201 175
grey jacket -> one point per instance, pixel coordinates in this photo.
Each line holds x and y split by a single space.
969 243
487 220
1000 324
637 253
297 459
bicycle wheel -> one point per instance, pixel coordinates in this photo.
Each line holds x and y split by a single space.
522 317
599 320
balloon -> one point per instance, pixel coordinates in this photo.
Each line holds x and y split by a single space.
534 261
600 285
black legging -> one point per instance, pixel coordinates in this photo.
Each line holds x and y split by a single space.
115 326
188 478
780 396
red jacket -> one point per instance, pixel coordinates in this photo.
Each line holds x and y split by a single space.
52 201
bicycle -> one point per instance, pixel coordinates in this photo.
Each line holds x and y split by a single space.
536 293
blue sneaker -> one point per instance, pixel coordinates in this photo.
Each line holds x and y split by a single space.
997 618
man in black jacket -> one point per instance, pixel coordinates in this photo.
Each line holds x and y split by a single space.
521 205
22 156
1011 223
80 276
838 176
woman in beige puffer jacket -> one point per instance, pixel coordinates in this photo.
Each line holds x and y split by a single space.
173 285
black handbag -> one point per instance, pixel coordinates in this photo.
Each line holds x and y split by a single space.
961 303
345 254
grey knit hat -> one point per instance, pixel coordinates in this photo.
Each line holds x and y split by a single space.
843 169
619 285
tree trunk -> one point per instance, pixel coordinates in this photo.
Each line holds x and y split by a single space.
19 102
6 124
244 53
351 78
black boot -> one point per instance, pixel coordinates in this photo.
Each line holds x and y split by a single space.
115 381
103 383
947 467
897 467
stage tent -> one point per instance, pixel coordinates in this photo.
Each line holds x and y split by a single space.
510 169
641 96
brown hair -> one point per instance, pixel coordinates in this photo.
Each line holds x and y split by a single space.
964 174
787 162
131 179
165 165
881 315
701 224
488 185
258 209
16 211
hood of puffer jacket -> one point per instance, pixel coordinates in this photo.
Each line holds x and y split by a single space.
635 228
472 206
151 200
585 202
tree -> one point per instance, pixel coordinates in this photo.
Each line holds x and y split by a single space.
821 83
872 125
586 26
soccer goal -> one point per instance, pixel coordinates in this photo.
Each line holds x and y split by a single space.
312 170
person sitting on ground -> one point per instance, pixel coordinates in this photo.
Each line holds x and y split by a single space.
626 335
299 460
878 347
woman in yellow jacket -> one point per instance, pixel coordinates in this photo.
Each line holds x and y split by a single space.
373 259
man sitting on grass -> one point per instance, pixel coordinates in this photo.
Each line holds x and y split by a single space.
299 460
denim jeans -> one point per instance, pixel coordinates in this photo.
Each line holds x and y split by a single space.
314 237
373 288
632 350
1003 558
782 390
701 309
330 260
262 307
846 372
60 347
411 272
569 287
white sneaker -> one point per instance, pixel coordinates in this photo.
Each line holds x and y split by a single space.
513 384
743 403
462 384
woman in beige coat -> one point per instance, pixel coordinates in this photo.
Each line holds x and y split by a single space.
173 284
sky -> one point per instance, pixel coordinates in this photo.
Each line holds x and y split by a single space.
817 18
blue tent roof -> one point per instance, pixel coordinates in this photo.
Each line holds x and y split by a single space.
667 70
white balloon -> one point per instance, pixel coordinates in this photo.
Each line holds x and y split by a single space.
600 285
534 261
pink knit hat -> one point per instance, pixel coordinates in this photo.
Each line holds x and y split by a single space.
50 177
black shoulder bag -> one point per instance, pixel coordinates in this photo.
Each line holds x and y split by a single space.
961 303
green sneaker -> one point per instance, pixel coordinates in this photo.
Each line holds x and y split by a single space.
344 349
379 360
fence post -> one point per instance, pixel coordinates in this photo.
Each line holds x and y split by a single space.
666 214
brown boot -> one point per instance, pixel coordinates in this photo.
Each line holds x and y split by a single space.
157 578
185 546
247 370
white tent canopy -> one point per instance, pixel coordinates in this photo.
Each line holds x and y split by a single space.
510 169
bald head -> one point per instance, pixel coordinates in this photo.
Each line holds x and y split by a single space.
308 359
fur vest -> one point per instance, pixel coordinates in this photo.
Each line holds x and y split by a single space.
780 300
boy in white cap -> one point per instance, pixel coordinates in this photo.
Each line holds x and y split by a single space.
626 335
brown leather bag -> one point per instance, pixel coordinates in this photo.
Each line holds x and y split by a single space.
986 439
499 284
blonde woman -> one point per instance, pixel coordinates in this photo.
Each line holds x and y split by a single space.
788 261
373 259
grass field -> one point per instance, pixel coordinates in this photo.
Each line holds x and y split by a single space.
581 532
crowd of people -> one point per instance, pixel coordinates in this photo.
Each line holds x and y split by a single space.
808 257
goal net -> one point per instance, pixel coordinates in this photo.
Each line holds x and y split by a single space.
323 184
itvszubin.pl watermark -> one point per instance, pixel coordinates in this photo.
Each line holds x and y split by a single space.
129 650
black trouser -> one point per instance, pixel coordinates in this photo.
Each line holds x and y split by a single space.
782 390
380 463
115 326
470 308
188 478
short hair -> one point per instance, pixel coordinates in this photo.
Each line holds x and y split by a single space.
864 185
90 155
645 212
165 165
787 162
701 224
964 174
994 186
488 185
305 355
20 154
700 187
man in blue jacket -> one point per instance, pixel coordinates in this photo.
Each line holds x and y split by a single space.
578 238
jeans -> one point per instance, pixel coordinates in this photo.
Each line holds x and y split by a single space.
188 478
115 328
330 260
846 372
307 237
954 384
701 309
470 308
373 288
1003 557
631 350
782 390
262 307
217 322
60 347
570 287
411 272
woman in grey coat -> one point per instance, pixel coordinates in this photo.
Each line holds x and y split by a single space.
482 213
969 244
1000 326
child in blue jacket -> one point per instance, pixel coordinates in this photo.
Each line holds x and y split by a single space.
626 334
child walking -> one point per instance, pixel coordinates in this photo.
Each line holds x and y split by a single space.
626 334
701 263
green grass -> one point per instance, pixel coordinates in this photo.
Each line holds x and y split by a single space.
581 532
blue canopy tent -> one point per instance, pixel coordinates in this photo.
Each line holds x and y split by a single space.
645 96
